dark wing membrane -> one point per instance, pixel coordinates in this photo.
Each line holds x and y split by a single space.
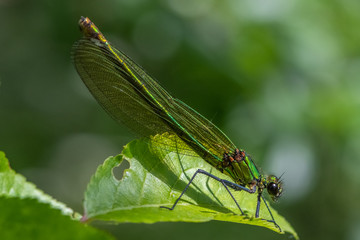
108 82
204 130
132 97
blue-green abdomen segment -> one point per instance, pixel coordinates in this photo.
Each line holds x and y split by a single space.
240 167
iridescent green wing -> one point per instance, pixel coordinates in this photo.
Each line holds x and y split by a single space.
133 98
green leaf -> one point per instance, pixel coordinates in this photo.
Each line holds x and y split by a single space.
15 185
29 219
159 170
28 213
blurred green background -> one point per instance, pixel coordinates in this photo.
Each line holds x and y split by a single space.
280 77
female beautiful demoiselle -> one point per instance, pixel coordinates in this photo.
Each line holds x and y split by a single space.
132 97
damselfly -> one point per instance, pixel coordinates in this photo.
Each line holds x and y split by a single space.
132 97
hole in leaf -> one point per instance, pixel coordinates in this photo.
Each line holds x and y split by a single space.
118 171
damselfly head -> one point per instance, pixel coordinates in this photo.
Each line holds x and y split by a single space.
274 187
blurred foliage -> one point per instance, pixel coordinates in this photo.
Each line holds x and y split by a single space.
278 76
